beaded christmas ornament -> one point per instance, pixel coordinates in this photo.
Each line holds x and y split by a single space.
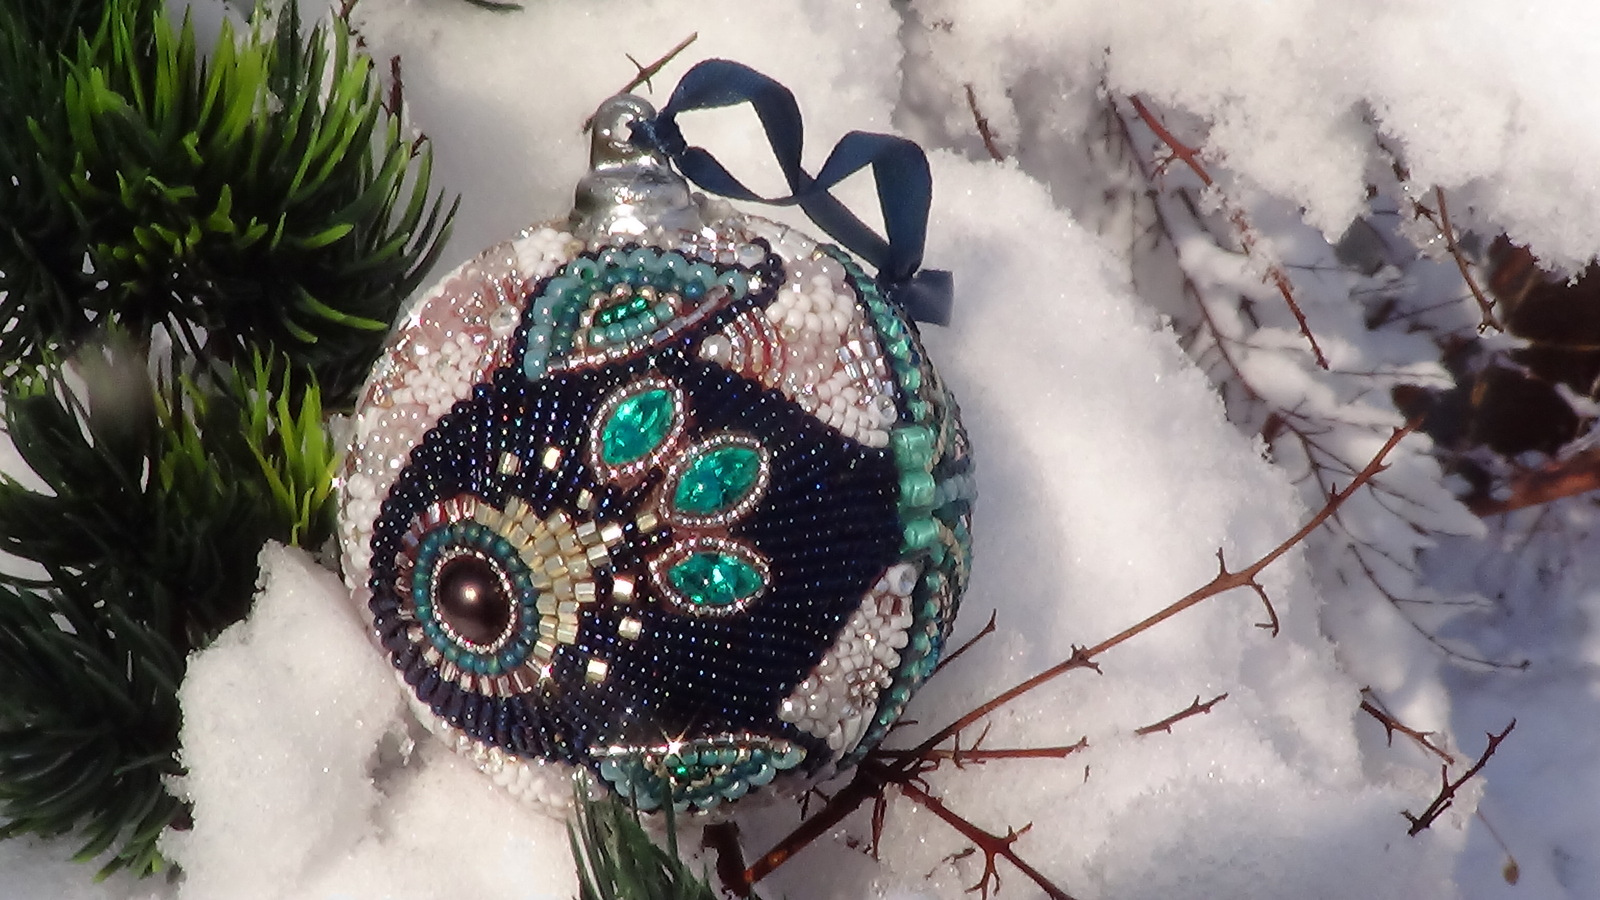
666 492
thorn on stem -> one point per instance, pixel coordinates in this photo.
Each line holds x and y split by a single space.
984 131
1193 709
1447 792
1485 305
985 631
645 73
1372 707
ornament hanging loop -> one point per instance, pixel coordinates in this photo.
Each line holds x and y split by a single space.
899 166
630 188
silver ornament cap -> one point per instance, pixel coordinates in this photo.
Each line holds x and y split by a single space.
630 188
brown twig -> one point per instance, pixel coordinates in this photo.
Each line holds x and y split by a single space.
976 754
984 131
1193 709
993 846
1447 792
1485 305
1249 240
1224 581
1391 725
985 631
396 98
1576 474
648 72
883 767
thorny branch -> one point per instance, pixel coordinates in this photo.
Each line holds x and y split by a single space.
1194 709
1564 477
1447 793
1485 305
902 768
1371 706
993 846
646 73
977 754
1322 463
1249 239
985 631
984 131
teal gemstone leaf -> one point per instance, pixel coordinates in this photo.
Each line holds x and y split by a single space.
711 578
716 480
637 427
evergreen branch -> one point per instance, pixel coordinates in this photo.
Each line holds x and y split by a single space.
617 860
260 196
159 492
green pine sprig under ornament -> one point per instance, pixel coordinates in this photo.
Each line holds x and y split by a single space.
157 493
196 249
618 860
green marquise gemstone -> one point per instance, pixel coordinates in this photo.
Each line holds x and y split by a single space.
637 427
709 578
717 481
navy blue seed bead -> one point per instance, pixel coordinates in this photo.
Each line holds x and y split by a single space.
396 640
452 707
469 712
429 684
442 698
381 604
504 723
405 659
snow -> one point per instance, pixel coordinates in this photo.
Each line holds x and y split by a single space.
1110 472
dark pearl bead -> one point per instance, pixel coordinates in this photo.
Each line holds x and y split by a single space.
468 596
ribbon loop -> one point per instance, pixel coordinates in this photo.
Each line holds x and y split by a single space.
899 168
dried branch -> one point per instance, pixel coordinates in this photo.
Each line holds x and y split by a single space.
1249 239
885 767
985 631
993 846
1485 305
646 73
1193 709
1372 707
1576 474
984 131
977 754
1447 793
395 100
1223 582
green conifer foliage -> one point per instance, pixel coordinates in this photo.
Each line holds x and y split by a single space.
260 196
213 243
617 860
158 494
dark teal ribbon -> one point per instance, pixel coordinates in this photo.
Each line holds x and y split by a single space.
899 167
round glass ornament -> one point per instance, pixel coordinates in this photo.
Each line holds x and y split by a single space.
664 491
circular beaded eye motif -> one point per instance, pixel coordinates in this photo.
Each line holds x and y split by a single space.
678 503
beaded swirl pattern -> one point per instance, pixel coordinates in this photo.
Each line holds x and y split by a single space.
688 510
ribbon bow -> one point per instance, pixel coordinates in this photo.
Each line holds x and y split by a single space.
899 167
